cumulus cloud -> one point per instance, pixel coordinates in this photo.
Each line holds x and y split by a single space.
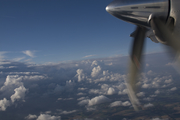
68 112
80 75
111 91
173 89
116 103
120 103
29 53
95 71
48 117
4 104
146 85
98 100
94 101
16 80
168 81
147 99
106 89
82 89
19 94
83 102
140 94
81 98
148 105
29 117
127 103
106 72
12 80
94 63
157 92
81 93
125 91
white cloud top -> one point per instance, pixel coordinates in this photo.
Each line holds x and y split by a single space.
111 91
29 53
98 100
29 117
19 94
173 89
94 101
4 104
120 103
48 117
80 75
95 71
148 105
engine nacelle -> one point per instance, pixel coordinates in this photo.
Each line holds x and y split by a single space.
139 12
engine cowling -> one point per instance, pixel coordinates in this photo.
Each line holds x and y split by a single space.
139 12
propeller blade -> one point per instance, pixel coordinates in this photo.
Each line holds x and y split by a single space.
135 64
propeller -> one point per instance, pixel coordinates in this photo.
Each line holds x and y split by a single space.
162 30
146 15
135 64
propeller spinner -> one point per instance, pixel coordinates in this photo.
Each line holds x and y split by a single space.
147 15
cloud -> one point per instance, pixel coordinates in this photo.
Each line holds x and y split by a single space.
80 75
4 104
19 94
82 89
83 102
2 55
140 94
173 89
88 56
168 81
150 72
94 101
48 117
146 85
81 98
58 89
148 105
120 103
68 112
127 103
95 71
159 119
29 53
116 103
81 93
147 65
147 99
98 100
157 92
19 58
12 80
94 63
111 91
17 80
29 117
170 64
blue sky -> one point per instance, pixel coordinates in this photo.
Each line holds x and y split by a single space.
42 31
